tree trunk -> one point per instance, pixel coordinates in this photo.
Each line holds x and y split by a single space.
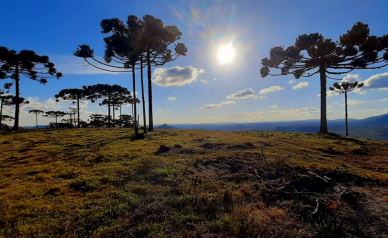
346 112
120 115
108 109
322 72
56 122
1 112
150 114
134 97
36 118
78 125
113 108
142 96
17 80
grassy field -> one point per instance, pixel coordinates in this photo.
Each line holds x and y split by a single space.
191 183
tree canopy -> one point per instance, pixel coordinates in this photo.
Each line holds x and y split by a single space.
29 64
313 54
75 95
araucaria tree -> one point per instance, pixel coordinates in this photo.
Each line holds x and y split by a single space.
344 88
36 112
55 114
313 54
75 95
29 64
128 44
107 91
155 40
121 51
9 100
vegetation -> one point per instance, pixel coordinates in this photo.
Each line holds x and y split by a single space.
356 49
125 48
74 95
344 88
55 114
36 112
29 64
100 183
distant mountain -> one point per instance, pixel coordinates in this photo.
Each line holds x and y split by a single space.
164 126
34 127
372 127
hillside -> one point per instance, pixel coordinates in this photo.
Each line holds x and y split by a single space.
191 183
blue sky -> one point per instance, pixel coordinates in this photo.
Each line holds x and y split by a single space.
208 91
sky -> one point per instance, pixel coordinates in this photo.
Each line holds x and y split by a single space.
198 88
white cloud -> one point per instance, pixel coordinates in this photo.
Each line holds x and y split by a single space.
301 85
227 102
172 98
383 100
211 106
335 102
291 81
378 81
163 110
354 102
330 93
243 94
215 79
351 78
271 89
363 92
214 105
273 106
204 81
259 97
330 106
286 112
175 76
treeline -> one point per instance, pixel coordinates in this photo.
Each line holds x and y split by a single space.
132 45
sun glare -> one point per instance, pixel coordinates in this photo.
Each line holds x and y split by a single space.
225 54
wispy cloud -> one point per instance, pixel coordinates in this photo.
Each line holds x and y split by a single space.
176 76
271 89
301 85
243 94
204 81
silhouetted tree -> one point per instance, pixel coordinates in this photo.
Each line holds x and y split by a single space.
55 114
355 50
344 88
120 47
155 40
98 120
7 100
126 121
75 95
36 112
106 91
27 63
73 111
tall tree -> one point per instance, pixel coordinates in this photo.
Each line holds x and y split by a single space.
36 112
29 64
121 49
155 40
356 49
107 91
344 88
75 95
73 111
55 114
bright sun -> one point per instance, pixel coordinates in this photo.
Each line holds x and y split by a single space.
225 54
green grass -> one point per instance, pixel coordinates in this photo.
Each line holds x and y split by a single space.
102 183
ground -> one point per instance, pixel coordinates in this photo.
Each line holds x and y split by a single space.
191 183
